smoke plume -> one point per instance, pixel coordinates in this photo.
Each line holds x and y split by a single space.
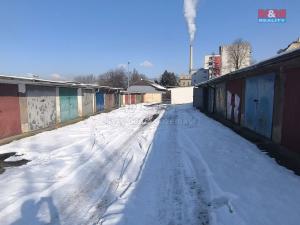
190 13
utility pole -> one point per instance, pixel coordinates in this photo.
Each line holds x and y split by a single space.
128 74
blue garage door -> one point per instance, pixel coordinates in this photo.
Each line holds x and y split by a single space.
259 104
99 101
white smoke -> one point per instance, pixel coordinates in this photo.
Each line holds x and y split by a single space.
190 13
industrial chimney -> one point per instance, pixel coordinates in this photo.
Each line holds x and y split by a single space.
191 60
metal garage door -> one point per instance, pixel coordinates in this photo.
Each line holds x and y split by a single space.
99 101
68 104
9 111
259 104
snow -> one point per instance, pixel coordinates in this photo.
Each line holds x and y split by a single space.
77 171
182 168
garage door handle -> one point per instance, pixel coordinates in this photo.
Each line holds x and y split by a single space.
0 111
255 100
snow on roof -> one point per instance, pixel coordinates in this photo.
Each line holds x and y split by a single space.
157 86
144 82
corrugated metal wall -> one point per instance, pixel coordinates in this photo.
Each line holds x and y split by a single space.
234 100
99 101
41 106
87 102
68 104
9 111
291 113
220 98
259 100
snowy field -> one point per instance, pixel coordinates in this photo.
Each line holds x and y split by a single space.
128 167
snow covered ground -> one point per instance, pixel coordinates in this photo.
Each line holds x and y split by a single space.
118 168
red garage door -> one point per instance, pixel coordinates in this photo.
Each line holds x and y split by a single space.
9 111
132 99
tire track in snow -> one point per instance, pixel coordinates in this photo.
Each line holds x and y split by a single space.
112 193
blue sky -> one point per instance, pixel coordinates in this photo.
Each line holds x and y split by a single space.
77 37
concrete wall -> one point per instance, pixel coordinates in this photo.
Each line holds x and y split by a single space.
41 106
181 95
152 98
23 108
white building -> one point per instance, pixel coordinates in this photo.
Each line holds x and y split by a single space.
226 66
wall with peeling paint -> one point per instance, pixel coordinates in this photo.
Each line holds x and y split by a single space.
9 110
220 98
68 99
41 106
109 101
87 102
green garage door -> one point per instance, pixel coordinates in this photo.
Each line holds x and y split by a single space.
68 104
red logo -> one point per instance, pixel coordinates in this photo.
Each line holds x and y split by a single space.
272 13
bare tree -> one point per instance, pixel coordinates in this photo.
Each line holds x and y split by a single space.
239 54
113 78
86 79
136 76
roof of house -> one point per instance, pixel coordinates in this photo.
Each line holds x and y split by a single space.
144 82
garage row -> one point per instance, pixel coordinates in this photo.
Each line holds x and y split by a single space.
263 98
32 104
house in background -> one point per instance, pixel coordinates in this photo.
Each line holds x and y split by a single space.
200 76
185 80
151 92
